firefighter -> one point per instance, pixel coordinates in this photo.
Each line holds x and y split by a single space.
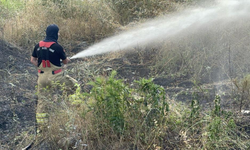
47 56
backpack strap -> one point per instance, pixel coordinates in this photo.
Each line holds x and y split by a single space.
44 48
45 44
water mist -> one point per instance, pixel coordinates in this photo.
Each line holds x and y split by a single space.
223 12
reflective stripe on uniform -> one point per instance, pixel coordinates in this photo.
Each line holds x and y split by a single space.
41 121
41 115
53 72
41 118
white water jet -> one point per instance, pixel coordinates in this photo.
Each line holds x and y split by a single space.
167 27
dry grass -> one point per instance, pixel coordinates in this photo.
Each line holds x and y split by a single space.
78 20
198 58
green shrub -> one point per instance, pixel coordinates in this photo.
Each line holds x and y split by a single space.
123 111
242 92
221 130
111 97
139 116
114 100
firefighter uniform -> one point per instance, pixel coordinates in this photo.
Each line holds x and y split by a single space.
50 73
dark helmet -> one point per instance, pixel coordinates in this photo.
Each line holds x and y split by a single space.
52 32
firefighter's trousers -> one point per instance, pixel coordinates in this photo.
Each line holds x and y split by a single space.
50 81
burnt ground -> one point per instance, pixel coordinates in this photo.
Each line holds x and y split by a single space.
18 80
17 90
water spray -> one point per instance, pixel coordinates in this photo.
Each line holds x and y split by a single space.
165 28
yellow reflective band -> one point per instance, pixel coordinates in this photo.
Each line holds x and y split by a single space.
41 121
41 115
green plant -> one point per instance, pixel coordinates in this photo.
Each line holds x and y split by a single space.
195 107
110 95
13 5
153 95
117 108
220 126
217 108
242 91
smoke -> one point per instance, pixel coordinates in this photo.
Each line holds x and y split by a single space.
222 13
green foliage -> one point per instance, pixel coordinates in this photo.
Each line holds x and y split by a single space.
217 108
211 129
116 106
13 5
111 97
153 95
9 9
77 97
195 107
242 92
148 110
221 130
114 113
141 113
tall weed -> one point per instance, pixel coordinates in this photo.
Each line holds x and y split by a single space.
242 92
120 111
